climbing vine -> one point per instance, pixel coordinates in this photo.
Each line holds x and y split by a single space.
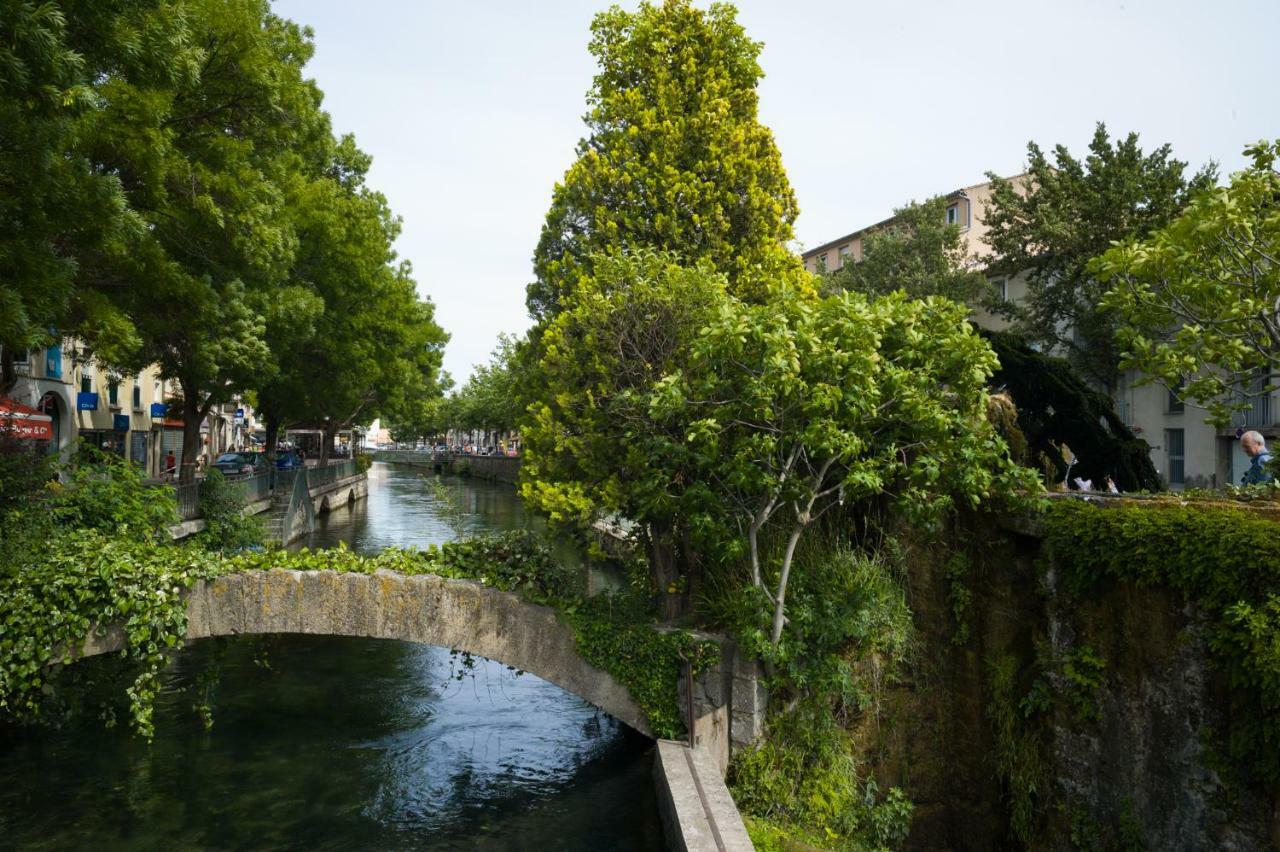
89 582
1224 561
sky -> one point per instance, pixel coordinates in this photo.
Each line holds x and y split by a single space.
471 111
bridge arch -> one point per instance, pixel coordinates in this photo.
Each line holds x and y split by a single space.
457 614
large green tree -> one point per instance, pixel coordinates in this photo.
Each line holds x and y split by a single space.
918 253
1199 300
215 241
59 210
1063 213
675 159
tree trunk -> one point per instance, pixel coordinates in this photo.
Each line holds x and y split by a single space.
191 417
666 570
8 373
326 442
779 616
273 437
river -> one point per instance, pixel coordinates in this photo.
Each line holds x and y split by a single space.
332 743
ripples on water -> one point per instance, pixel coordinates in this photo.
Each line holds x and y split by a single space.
329 743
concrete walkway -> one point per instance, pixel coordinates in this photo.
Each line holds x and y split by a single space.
698 814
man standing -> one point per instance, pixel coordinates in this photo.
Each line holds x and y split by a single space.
1255 447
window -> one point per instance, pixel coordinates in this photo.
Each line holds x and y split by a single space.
843 251
86 381
820 262
21 356
953 214
1175 448
137 396
113 392
1001 288
1176 405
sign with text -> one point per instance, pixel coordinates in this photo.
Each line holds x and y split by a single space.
159 409
86 401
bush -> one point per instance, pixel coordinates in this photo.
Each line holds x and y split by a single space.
227 527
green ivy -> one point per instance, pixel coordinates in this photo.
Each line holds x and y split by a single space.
1226 562
87 581
83 582
227 527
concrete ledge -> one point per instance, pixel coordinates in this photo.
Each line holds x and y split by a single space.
698 814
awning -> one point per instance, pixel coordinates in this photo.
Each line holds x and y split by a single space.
20 421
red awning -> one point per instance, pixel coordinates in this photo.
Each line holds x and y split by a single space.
20 421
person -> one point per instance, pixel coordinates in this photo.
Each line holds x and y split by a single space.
1255 447
169 462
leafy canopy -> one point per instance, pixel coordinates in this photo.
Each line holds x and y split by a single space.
1063 213
1198 299
675 158
918 253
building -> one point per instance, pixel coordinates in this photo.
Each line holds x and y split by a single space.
1187 452
126 415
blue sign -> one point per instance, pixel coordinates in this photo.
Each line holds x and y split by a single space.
86 401
53 362
120 422
159 409
239 415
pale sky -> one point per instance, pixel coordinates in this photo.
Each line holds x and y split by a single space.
472 110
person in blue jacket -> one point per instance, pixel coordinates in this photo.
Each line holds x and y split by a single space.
1255 447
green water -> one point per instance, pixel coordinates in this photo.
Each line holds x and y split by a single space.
330 743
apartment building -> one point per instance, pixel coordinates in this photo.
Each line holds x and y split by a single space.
126 415
1187 452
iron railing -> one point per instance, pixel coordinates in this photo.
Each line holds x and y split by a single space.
263 486
188 497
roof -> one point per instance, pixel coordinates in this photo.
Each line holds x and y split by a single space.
830 244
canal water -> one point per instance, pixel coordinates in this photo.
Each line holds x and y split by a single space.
331 743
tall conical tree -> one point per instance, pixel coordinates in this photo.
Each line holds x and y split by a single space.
676 158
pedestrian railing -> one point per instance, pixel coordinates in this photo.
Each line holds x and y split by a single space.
263 486
188 496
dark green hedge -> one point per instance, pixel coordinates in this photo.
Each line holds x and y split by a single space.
1226 562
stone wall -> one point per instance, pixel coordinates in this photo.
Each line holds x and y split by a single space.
458 614
496 468
1130 759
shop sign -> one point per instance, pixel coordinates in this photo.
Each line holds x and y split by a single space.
159 409
120 422
87 401
53 362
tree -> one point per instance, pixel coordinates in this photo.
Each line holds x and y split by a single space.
795 406
917 252
214 240
591 443
57 208
675 159
1063 214
1199 300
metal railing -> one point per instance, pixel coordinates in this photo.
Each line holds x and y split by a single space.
188 497
332 472
263 486
1257 414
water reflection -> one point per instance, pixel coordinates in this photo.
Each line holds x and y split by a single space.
328 743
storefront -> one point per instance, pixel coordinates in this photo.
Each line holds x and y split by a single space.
24 423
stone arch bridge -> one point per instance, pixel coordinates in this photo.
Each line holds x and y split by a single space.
459 614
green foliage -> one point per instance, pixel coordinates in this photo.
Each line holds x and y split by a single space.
959 596
675 158
227 527
1064 213
85 581
802 782
1055 406
1197 298
24 470
1083 672
1224 561
917 253
1019 755
104 492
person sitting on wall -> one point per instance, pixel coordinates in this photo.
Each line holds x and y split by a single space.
1255 447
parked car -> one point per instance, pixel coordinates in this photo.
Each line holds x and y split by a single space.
288 460
241 464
